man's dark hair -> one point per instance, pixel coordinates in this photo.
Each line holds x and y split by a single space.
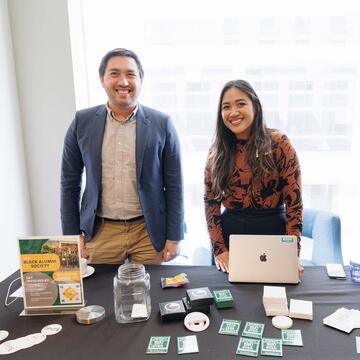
120 52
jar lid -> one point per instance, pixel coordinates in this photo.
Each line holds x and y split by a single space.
90 314
355 260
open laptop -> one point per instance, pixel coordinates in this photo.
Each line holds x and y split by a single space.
263 259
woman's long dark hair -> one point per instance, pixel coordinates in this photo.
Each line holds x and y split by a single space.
223 149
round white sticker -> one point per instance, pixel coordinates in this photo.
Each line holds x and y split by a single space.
35 339
51 329
282 322
3 334
9 347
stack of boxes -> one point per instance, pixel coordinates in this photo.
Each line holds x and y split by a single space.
198 299
301 309
223 299
204 309
275 301
172 310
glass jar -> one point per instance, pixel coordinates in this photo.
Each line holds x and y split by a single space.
355 270
132 294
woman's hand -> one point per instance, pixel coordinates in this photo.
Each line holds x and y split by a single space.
300 269
222 261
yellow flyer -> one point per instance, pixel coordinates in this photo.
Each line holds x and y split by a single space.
50 274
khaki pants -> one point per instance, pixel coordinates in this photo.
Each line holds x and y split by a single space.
116 241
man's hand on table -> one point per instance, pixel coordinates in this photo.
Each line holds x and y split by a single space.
171 250
83 252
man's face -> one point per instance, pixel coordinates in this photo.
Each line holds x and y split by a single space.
121 82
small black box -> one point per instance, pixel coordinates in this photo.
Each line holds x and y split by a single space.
204 308
172 310
199 297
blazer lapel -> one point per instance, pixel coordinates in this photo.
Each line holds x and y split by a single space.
97 140
142 128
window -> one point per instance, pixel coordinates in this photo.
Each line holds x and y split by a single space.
304 68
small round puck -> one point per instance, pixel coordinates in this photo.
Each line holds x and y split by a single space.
90 314
282 322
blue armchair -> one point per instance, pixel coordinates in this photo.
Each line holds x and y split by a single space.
324 228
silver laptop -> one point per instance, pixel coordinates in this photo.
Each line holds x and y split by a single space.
263 259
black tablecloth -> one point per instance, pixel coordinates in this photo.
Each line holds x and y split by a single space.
110 340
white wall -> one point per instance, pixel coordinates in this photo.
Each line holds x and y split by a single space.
42 52
38 90
15 216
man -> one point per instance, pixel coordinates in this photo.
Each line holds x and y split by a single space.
132 205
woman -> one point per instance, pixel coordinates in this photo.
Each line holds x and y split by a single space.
253 172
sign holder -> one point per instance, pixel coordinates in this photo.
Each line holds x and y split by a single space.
50 275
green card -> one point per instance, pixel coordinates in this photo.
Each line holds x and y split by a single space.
158 345
248 347
291 337
187 344
271 347
230 327
253 330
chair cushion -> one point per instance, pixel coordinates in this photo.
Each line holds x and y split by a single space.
305 262
306 248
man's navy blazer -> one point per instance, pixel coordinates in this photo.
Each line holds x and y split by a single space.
158 172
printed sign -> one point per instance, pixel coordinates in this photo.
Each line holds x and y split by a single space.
50 273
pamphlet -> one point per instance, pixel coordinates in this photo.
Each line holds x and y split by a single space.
344 320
